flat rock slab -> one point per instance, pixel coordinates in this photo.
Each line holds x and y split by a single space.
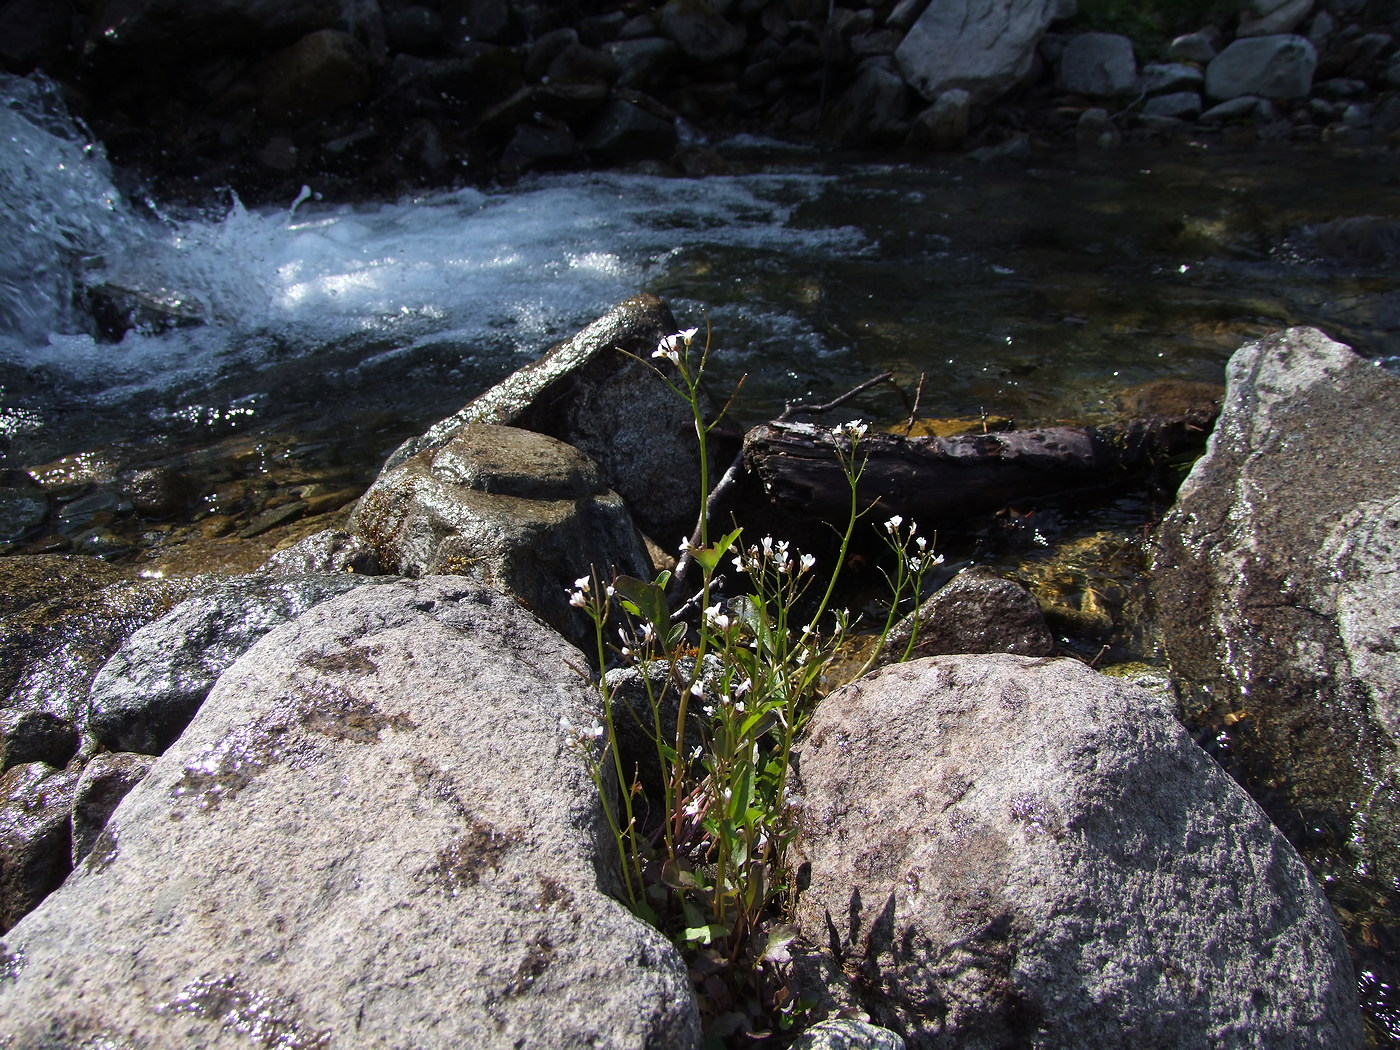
1009 851
373 834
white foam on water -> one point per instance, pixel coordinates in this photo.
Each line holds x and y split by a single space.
505 272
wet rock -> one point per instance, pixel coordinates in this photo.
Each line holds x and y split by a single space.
1182 105
322 73
536 147
35 803
1095 130
1162 78
944 125
35 736
52 648
981 46
612 408
24 507
146 693
976 612
1100 65
157 492
1276 587
1272 17
1361 240
379 800
847 1034
625 131
1246 107
1273 67
700 33
641 62
1011 851
105 781
330 550
516 510
32 579
871 109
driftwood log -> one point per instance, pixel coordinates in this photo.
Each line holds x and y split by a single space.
936 479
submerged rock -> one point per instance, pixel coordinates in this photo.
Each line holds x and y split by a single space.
374 834
1276 584
1010 851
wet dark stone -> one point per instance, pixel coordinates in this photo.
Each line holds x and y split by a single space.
157 492
36 801
23 510
35 736
105 781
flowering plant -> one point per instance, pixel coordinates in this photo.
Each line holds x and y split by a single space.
736 681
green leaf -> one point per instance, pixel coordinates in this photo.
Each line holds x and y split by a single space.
647 600
706 934
708 558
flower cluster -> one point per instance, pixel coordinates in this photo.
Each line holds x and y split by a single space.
918 560
777 556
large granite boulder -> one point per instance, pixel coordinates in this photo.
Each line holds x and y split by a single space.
373 834
516 510
1006 851
150 688
1275 67
588 392
1276 585
985 47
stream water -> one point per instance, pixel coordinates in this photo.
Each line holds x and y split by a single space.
292 348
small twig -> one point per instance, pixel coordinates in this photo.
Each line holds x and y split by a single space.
914 410
793 409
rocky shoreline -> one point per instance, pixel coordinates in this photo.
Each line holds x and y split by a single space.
368 97
249 754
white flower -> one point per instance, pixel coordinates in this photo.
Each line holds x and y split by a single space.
805 565
577 600
687 334
893 524
696 752
685 545
855 429
743 687
647 632
583 583
698 690
716 619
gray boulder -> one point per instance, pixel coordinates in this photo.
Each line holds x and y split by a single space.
105 781
871 109
35 736
615 409
1275 582
374 834
150 688
701 33
330 550
1183 105
943 125
1273 67
975 612
982 46
510 508
1160 78
35 803
1272 17
1200 46
52 648
1100 65
1019 852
